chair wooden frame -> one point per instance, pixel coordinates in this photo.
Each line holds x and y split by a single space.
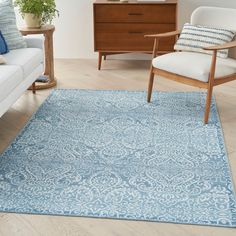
186 80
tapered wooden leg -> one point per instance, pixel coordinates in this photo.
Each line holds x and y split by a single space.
99 60
210 86
105 57
33 88
208 104
150 85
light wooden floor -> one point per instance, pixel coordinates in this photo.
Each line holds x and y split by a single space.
130 75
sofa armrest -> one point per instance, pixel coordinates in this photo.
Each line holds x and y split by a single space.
34 41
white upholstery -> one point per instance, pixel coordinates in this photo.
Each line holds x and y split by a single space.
216 17
194 65
10 77
35 41
2 60
22 68
19 90
27 58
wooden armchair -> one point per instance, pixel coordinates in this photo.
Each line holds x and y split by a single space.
198 69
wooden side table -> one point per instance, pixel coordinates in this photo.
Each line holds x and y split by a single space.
47 31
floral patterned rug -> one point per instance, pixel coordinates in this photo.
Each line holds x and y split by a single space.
110 154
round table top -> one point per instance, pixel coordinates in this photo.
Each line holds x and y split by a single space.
41 30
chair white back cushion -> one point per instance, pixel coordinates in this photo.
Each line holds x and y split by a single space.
216 17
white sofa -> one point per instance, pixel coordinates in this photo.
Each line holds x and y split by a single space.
22 68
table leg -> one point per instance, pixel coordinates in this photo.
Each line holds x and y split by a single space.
49 62
100 60
49 59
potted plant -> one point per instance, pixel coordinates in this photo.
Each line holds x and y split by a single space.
37 12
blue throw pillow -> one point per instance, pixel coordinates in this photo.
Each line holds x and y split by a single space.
3 45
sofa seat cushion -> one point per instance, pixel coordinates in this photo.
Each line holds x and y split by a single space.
27 58
194 65
10 78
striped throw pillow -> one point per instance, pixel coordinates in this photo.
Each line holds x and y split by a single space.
8 26
195 37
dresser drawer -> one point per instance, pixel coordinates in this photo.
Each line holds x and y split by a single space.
160 13
130 37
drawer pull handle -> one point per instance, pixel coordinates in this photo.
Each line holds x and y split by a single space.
135 14
135 32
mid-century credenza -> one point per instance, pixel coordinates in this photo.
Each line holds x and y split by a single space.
119 27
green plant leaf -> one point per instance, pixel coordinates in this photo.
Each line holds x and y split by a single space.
46 9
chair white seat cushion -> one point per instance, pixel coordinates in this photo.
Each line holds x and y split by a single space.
194 65
27 58
10 78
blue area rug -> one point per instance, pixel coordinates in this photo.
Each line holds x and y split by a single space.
111 154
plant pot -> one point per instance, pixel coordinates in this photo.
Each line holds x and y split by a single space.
32 21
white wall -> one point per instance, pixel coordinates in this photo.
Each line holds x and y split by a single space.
74 28
186 7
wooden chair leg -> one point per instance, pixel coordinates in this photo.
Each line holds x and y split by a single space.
150 86
151 78
208 103
105 57
99 60
210 86
33 88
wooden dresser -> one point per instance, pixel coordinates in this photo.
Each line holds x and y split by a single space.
119 27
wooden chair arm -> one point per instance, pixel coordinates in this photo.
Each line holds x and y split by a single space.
222 46
160 36
164 35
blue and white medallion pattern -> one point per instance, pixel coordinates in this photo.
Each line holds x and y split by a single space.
111 154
